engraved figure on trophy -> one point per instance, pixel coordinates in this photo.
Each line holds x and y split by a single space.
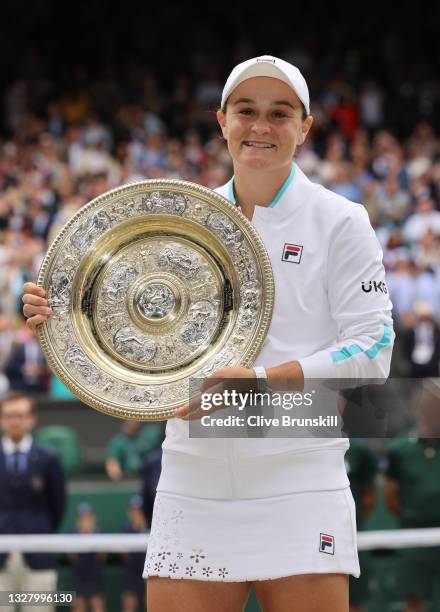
108 319
108 385
136 394
169 350
221 225
116 284
199 321
245 267
220 361
90 230
170 203
60 287
250 294
250 298
180 260
196 212
205 285
144 258
156 301
123 209
76 359
134 347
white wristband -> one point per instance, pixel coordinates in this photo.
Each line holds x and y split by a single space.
262 382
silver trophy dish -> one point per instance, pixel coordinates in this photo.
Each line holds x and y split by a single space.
153 283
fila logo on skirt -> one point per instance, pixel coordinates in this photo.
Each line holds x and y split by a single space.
292 253
326 544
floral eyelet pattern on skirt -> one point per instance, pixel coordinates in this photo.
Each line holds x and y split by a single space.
252 539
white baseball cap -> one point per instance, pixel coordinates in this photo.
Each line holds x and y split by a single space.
269 66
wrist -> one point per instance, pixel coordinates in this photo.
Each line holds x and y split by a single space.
286 377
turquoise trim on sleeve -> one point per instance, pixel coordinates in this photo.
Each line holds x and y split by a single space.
350 351
282 189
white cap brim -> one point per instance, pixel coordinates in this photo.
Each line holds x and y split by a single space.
268 66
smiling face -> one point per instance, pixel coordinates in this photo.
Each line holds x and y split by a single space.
263 124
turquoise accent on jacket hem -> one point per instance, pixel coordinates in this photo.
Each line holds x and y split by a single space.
350 351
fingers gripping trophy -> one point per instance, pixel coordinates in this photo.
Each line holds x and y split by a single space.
258 281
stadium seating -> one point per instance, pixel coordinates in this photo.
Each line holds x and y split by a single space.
64 440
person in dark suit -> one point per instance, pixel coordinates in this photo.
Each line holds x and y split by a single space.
32 497
25 367
421 342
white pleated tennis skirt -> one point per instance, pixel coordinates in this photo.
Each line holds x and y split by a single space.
241 540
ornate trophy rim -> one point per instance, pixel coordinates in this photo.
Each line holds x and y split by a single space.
185 188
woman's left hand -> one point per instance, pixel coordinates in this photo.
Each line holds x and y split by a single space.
225 378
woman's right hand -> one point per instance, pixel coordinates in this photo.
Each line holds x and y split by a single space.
35 308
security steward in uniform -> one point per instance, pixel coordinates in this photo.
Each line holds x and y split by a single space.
361 466
412 492
32 498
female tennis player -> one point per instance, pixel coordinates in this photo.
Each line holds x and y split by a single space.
274 514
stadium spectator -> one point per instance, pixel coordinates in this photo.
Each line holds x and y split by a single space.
346 114
425 218
361 469
127 449
412 493
133 594
393 202
6 342
87 577
426 253
32 498
25 367
401 285
371 104
423 141
344 184
421 342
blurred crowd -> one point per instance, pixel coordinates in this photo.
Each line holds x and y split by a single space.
58 150
67 136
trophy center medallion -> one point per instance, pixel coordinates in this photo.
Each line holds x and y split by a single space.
155 301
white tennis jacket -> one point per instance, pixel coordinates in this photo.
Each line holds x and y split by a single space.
332 313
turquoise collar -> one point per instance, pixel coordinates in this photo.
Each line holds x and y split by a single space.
280 192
